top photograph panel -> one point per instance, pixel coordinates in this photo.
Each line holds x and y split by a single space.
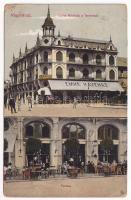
65 60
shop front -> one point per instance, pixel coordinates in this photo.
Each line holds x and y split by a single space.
64 91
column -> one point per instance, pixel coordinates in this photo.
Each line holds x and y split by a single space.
54 152
122 148
19 145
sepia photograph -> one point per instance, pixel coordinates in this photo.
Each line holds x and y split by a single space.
65 100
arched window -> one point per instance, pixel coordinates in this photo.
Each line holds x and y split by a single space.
72 57
112 75
37 129
59 43
45 56
59 56
85 59
73 130
111 60
45 71
98 74
108 131
71 73
45 131
85 73
59 72
98 59
29 131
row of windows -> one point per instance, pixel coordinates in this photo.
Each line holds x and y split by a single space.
59 57
59 73
71 130
85 58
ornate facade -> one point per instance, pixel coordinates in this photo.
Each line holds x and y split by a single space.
62 58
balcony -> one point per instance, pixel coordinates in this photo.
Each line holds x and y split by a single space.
86 63
41 61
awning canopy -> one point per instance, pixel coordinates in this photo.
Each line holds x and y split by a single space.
84 85
46 91
11 138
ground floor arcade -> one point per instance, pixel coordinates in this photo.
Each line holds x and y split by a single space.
53 132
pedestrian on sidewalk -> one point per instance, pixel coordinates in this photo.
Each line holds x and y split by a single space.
19 104
29 99
75 103
12 104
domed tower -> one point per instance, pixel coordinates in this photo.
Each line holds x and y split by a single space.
48 26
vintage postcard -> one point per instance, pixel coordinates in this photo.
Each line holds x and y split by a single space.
65 100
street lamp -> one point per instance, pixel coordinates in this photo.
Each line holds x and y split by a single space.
88 94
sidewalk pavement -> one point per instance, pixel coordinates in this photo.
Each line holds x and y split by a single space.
81 110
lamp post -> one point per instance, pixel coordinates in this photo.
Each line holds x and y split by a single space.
88 94
100 97
20 137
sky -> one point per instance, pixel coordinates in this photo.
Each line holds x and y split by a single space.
91 21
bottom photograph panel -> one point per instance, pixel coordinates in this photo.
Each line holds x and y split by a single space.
65 157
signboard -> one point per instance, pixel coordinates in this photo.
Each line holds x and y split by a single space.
44 77
84 85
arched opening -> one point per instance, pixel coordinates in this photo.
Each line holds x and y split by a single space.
37 129
111 60
72 73
38 150
98 74
112 75
45 131
72 57
45 71
107 133
59 56
85 59
29 131
59 43
45 56
98 59
6 124
73 133
59 72
85 73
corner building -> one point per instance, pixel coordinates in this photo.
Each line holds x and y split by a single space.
63 63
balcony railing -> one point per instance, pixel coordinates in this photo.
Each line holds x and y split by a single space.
86 63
